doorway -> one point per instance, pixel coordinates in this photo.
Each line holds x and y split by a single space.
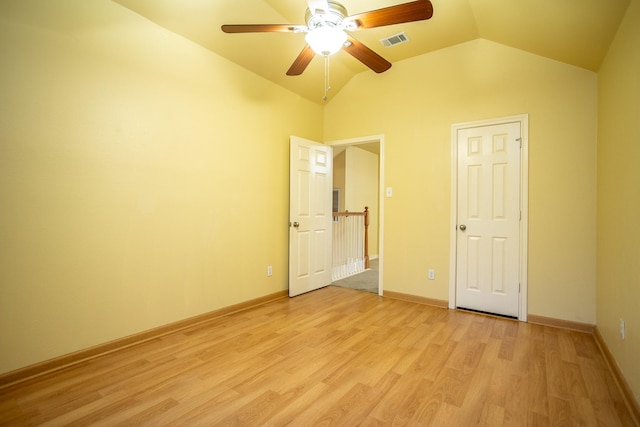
489 216
369 280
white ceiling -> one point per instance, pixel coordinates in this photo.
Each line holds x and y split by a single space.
576 32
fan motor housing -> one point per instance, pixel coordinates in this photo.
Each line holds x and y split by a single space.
333 17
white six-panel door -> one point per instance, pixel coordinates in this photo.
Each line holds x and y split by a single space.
310 203
488 218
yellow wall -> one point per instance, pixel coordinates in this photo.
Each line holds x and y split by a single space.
414 106
362 189
143 179
618 277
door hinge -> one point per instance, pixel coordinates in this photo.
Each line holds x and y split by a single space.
520 141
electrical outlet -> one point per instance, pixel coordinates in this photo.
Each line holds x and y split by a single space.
432 274
269 271
622 329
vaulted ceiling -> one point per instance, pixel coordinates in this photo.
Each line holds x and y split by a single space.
576 32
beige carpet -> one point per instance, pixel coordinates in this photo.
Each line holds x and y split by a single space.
365 281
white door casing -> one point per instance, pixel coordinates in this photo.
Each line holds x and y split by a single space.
310 228
489 216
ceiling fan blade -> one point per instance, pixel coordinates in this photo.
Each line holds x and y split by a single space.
263 28
365 55
418 10
301 62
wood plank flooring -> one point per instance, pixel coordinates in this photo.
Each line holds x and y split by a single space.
335 357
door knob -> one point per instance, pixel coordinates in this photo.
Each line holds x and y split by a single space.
463 227
296 224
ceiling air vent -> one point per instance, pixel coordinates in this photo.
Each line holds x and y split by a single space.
394 40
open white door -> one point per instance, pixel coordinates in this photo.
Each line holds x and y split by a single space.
310 219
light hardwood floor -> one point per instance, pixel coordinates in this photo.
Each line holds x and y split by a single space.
335 356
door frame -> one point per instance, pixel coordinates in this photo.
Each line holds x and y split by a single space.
367 140
523 120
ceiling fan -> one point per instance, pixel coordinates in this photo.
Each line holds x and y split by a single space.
327 23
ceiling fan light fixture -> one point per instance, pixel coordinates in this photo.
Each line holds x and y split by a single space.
326 40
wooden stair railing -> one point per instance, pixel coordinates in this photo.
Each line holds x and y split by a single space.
365 215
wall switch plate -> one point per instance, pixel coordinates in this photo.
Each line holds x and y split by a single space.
432 274
269 271
389 192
